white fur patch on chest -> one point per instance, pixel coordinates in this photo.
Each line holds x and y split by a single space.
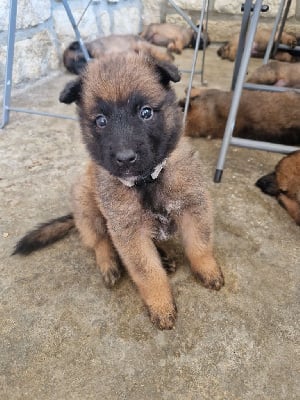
173 206
165 226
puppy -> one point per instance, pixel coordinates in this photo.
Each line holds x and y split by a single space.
174 37
143 182
278 74
284 184
268 116
229 49
74 60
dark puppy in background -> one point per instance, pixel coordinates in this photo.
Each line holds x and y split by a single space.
262 115
284 184
143 182
277 73
74 60
228 50
174 37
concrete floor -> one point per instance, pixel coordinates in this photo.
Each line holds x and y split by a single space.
65 336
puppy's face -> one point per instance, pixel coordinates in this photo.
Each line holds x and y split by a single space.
288 176
284 184
128 113
224 51
204 38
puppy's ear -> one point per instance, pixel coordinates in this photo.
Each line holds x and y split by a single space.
71 92
74 46
181 103
168 72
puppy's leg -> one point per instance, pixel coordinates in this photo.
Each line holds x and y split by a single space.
196 236
176 46
158 39
283 56
93 231
145 268
288 39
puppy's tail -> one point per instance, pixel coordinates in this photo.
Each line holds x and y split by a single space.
45 234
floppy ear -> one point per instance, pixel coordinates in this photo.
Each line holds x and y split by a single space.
71 92
168 72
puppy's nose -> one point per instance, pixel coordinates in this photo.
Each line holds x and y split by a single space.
126 157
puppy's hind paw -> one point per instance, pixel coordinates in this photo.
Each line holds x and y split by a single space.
292 42
168 262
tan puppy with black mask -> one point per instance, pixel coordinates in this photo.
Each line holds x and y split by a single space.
143 182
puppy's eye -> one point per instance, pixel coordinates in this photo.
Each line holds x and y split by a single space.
101 121
146 112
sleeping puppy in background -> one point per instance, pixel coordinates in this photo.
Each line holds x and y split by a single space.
229 49
174 37
284 184
74 60
269 116
142 184
277 73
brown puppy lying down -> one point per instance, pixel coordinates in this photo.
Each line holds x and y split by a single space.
268 116
174 37
284 184
277 73
74 60
229 49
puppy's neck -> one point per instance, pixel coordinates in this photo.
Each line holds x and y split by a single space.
143 180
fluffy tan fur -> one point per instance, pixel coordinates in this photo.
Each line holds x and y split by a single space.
229 49
261 115
277 73
172 36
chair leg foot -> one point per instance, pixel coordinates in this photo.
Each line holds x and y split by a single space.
218 175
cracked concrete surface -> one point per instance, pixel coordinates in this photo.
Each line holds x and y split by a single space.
65 336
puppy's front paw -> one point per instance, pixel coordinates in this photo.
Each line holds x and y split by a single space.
209 273
165 317
111 275
172 47
212 282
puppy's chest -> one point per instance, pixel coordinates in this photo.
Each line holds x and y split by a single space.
161 209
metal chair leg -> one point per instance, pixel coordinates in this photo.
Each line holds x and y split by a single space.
238 91
76 30
9 62
243 32
195 57
273 34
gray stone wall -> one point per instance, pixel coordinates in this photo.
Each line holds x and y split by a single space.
224 16
43 29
